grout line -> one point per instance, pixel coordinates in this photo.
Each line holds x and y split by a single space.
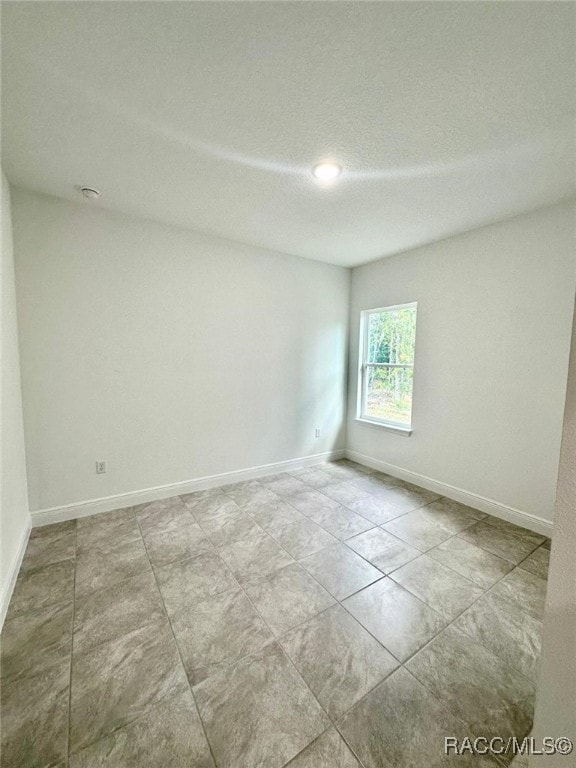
178 651
282 650
41 607
325 731
140 626
69 729
274 638
330 727
435 637
305 621
540 546
101 642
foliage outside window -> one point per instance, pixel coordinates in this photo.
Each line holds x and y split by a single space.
387 341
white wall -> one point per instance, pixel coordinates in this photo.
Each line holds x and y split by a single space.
14 517
494 320
169 354
555 713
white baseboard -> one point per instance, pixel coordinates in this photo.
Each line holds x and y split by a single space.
14 570
108 503
491 507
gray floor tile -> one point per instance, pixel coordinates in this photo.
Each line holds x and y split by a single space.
407 497
401 725
254 558
168 734
547 543
284 485
310 501
273 517
232 488
328 751
262 501
303 538
517 530
118 680
524 590
341 522
110 528
108 519
229 528
343 471
502 542
338 659
375 509
361 469
102 566
383 550
418 529
437 586
163 515
191 498
184 583
300 471
396 618
537 563
251 495
165 547
34 641
317 478
41 587
345 492
281 719
53 531
34 723
208 509
47 549
288 597
451 515
340 570
131 703
370 483
216 632
108 613
499 702
505 630
470 561
377 482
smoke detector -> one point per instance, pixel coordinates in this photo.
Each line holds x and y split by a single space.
90 193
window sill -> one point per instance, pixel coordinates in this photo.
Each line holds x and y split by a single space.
404 431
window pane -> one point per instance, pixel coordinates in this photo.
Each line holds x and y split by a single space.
391 336
389 394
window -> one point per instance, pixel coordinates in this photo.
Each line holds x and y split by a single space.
387 340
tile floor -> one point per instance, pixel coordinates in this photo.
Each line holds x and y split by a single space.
332 617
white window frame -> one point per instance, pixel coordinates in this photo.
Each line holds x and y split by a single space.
364 365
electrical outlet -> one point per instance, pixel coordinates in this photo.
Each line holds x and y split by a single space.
317 432
100 467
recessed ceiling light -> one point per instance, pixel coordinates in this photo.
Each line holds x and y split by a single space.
326 171
90 193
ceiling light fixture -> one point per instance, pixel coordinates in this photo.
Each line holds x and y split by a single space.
90 193
326 171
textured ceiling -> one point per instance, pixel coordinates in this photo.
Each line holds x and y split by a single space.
444 116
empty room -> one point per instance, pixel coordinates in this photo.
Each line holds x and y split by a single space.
288 400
